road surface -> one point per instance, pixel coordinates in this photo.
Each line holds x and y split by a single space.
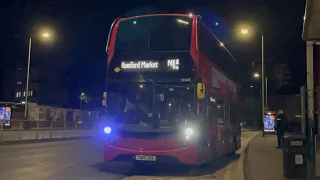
83 160
43 134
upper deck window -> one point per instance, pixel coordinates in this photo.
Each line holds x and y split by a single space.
154 33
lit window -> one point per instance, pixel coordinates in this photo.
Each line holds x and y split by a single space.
24 93
31 93
19 82
18 94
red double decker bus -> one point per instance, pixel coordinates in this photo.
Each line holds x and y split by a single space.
171 92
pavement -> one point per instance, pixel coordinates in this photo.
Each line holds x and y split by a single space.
83 160
263 161
43 134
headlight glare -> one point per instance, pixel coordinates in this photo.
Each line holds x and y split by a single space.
107 130
188 132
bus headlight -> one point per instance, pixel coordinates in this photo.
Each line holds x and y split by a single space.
107 130
187 136
188 132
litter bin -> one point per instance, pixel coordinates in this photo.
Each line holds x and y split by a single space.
294 157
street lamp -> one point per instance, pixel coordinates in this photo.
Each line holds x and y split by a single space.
245 31
44 35
256 75
82 97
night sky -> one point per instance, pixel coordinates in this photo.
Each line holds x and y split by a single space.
81 29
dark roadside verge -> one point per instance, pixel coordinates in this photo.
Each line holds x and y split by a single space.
28 141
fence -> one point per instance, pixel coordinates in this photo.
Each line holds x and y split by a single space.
27 130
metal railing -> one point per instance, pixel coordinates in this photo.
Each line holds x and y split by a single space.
27 130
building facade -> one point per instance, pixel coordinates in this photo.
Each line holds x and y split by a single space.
44 87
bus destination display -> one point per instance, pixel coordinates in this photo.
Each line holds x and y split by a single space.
150 65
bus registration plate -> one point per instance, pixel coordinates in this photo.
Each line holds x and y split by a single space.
145 158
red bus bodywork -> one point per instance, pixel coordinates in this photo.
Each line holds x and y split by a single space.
224 141
162 148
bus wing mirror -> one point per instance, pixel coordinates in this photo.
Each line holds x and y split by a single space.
200 91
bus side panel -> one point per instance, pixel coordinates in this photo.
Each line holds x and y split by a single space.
225 134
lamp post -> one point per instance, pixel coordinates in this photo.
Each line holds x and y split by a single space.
45 35
262 81
245 31
257 75
82 97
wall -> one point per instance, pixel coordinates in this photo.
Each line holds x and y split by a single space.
47 113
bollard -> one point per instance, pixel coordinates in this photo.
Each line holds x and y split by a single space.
50 136
37 130
20 130
64 129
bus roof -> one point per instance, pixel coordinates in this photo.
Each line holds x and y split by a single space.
148 15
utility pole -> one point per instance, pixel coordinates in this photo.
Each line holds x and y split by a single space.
262 83
27 82
310 129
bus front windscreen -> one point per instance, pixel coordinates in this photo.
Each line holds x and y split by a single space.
149 104
154 33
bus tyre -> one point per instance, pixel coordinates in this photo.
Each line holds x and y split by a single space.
234 149
233 152
213 156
